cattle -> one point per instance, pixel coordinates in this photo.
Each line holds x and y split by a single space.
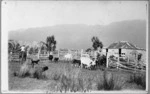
56 59
88 62
50 57
68 57
76 62
34 62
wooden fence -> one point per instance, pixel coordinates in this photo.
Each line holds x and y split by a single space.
111 63
58 53
125 64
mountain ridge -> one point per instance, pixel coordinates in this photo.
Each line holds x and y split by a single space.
79 35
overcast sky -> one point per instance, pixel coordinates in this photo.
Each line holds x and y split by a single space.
27 14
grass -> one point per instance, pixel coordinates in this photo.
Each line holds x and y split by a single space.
26 70
139 79
63 77
109 82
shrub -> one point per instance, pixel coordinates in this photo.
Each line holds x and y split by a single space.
101 61
108 82
139 79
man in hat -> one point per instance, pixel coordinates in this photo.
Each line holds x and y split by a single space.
23 53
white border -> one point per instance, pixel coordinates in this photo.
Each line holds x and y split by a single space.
4 53
4 61
147 49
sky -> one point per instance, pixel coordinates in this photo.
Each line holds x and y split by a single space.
29 14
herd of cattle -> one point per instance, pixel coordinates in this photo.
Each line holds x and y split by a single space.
85 61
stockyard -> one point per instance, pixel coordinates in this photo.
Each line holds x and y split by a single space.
61 70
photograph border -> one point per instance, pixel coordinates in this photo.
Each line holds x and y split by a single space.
2 42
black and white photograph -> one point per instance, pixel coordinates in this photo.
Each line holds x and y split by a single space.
74 46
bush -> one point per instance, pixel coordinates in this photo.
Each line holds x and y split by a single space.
139 79
108 82
101 61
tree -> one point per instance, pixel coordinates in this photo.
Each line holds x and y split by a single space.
10 47
88 50
31 50
13 46
17 47
50 43
96 43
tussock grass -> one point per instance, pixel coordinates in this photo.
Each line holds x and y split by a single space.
139 79
70 80
26 70
62 77
108 82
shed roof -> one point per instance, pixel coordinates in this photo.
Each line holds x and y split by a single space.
122 45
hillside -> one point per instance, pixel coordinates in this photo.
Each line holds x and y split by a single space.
79 35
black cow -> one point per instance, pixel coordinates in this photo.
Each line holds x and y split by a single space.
76 62
45 68
34 62
56 59
50 57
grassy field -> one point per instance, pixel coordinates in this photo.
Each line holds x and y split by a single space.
91 79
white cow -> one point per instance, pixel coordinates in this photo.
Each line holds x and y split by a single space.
68 57
87 61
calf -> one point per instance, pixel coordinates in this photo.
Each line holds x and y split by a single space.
50 57
34 62
68 57
76 62
45 68
56 59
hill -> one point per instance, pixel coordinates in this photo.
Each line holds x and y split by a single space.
79 36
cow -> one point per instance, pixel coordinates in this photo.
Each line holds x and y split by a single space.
76 62
34 62
68 57
88 62
56 59
50 57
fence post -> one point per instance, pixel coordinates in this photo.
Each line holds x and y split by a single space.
107 61
58 53
128 59
118 61
39 53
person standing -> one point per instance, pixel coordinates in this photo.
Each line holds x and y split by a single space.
23 53
23 48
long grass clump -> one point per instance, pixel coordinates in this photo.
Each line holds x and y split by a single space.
139 79
26 70
108 82
70 81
